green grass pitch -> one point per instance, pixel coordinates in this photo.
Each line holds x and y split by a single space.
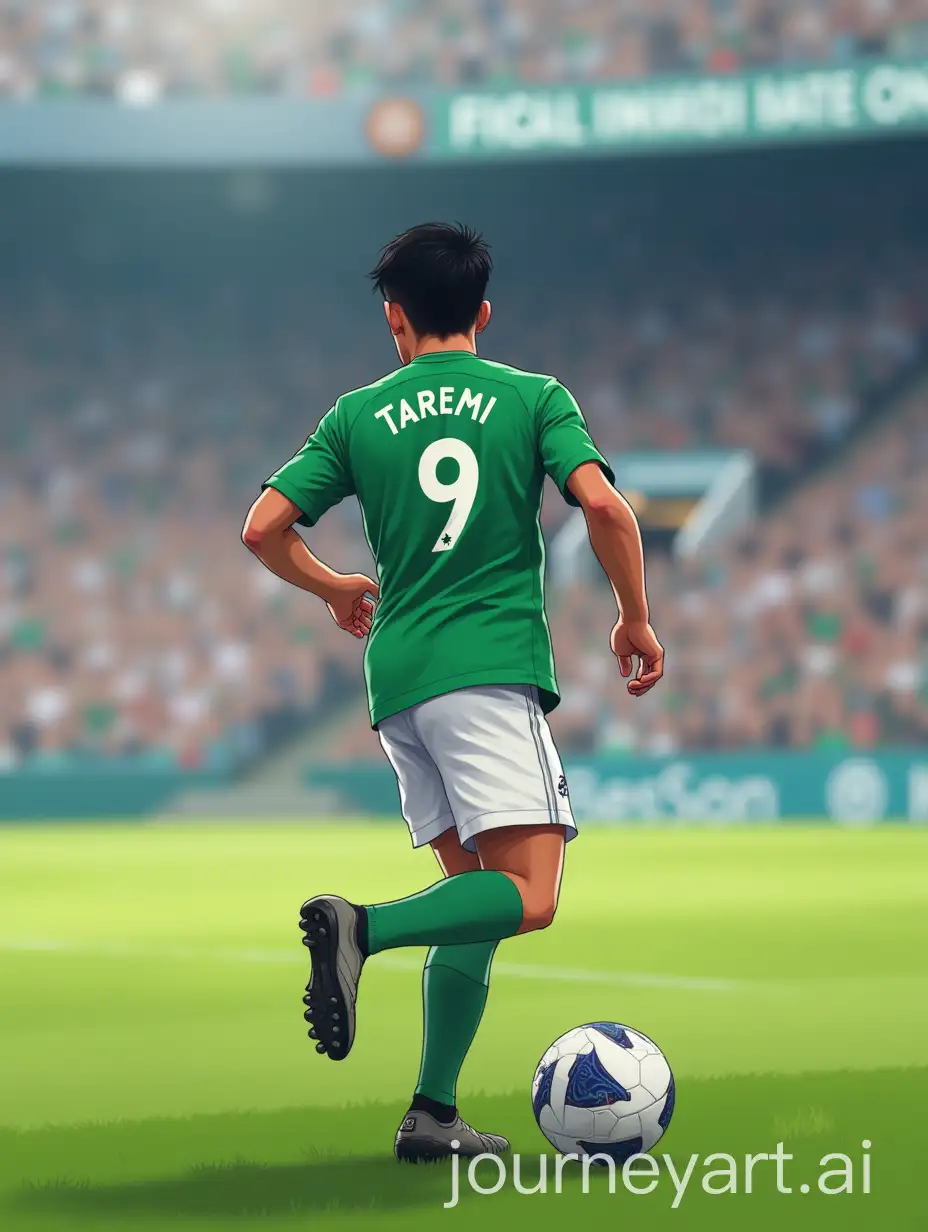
155 1073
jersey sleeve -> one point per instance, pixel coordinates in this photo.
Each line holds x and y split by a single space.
319 476
563 438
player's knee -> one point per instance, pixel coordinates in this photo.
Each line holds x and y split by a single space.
537 913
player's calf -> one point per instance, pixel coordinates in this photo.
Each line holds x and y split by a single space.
532 857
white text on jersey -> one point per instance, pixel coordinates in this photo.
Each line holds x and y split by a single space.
430 404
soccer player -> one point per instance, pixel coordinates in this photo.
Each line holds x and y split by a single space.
447 457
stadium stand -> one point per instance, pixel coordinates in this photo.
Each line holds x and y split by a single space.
140 50
780 364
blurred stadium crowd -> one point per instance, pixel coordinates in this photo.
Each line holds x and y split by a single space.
132 619
140 50
780 362
812 631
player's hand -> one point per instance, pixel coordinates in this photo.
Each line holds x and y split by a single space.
351 608
636 638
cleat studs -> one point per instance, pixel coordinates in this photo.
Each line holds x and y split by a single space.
336 1030
333 1000
322 933
334 1017
313 1033
320 1048
308 1015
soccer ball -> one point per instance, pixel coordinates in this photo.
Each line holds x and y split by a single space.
603 1089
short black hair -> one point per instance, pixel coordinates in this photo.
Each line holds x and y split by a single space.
438 274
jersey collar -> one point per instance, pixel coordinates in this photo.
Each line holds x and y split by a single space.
437 356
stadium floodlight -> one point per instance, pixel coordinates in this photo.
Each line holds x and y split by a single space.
139 87
569 555
705 495
729 504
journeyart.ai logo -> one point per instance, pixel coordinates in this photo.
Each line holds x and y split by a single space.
834 1173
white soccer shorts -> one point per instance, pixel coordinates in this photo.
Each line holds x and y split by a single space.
478 759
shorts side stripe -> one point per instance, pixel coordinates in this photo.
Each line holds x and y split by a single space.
552 793
535 729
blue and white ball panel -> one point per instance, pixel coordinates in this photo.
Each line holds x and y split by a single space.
573 1042
591 1085
569 1047
578 1123
656 1118
655 1075
541 1087
625 1067
613 1031
563 1144
550 1126
603 1087
639 1045
605 1124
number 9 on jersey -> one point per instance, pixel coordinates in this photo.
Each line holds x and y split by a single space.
462 491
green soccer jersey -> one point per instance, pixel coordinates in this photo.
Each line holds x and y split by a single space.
447 457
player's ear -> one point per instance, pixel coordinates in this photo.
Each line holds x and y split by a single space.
396 318
483 316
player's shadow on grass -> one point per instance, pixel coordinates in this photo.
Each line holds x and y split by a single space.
344 1183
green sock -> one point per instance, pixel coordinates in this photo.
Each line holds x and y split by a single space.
479 906
455 984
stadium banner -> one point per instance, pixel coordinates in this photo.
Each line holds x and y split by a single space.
119 789
703 788
818 103
197 133
874 98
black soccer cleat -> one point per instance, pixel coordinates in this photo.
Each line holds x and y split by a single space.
423 1139
330 926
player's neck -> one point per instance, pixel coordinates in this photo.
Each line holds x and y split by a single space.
431 345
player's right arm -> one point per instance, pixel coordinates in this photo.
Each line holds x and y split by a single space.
585 478
269 534
616 540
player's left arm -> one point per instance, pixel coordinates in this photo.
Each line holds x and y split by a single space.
269 533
